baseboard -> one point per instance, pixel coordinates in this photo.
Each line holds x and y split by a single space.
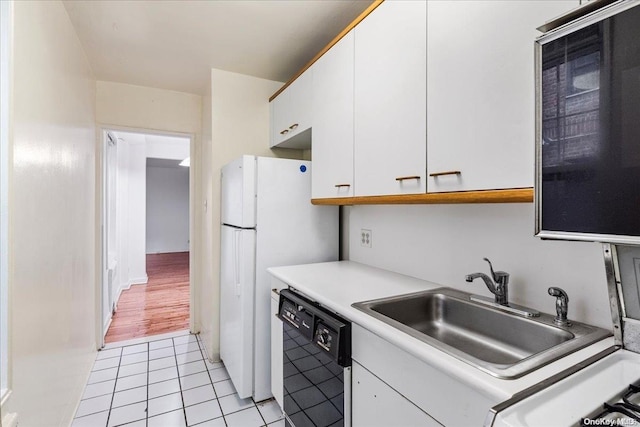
107 324
138 281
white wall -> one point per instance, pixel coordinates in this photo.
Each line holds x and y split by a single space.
167 194
110 275
167 209
130 206
142 107
122 219
204 188
443 243
137 209
52 217
239 125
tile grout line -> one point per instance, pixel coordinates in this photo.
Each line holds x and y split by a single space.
116 378
125 390
113 394
224 416
215 393
146 418
184 409
264 422
146 339
202 353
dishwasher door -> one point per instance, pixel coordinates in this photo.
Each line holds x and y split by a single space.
317 387
314 384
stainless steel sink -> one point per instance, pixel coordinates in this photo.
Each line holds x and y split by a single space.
498 342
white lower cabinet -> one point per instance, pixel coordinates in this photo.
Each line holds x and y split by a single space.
375 404
276 352
425 388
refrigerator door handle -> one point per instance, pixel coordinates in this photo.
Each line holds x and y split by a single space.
236 261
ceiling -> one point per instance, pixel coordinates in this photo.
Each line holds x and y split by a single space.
174 44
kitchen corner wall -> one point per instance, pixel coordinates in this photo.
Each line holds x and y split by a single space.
52 217
239 118
443 243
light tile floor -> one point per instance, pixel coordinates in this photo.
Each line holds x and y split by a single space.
166 382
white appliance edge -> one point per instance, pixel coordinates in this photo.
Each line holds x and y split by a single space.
275 195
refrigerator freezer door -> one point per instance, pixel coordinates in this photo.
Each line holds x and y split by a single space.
237 284
290 231
238 196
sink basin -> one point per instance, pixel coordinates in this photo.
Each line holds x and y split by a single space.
498 342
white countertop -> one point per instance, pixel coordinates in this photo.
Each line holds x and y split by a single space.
337 285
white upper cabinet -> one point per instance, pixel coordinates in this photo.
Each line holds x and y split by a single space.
481 102
332 148
390 99
291 115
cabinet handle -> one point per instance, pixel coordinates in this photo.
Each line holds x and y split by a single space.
284 132
437 174
293 126
406 178
342 185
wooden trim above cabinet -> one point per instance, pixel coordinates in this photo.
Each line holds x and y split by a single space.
510 195
335 40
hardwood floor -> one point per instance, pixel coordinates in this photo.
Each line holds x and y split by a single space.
160 306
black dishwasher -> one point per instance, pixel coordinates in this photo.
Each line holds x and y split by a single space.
316 363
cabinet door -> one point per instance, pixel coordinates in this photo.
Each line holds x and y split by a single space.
390 99
374 403
481 92
332 147
280 119
300 103
291 114
276 353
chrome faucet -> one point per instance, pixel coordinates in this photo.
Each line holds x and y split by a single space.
500 289
562 306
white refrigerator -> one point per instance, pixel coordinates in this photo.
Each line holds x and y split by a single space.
267 220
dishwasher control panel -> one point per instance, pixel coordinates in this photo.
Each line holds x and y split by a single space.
326 330
298 317
325 337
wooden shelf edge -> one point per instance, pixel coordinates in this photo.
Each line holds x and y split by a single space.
324 50
510 195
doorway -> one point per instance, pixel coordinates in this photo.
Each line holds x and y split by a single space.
146 236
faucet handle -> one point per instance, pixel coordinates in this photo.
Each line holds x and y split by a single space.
498 276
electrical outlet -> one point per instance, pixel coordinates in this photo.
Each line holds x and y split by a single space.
366 237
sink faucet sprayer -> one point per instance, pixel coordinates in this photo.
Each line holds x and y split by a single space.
500 289
562 306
